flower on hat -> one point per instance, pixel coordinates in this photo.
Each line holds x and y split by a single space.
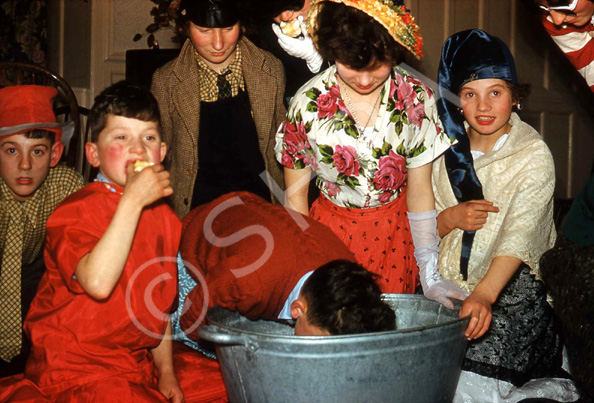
396 19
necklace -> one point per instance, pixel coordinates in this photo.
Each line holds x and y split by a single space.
360 129
103 179
112 189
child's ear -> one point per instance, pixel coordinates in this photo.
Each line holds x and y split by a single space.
163 151
92 154
57 150
298 308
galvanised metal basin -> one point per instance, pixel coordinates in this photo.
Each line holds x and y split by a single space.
264 361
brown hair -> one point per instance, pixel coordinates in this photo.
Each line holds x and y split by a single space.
41 134
519 92
353 38
123 99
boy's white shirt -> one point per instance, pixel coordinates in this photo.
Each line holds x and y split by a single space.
285 313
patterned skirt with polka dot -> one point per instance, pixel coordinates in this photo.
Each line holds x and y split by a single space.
379 237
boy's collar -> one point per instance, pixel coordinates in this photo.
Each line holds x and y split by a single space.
285 312
112 187
101 178
30 207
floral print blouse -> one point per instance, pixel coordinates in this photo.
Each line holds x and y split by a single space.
361 170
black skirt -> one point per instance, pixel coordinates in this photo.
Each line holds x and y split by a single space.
522 342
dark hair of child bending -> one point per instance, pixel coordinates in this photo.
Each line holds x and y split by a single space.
122 99
343 298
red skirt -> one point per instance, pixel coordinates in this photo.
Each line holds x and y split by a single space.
379 237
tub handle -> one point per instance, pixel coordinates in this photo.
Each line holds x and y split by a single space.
213 335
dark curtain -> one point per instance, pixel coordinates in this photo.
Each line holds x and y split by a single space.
23 31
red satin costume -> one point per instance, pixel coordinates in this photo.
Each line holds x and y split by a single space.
85 350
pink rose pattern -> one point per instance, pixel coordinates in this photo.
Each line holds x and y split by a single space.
404 100
345 160
339 165
327 106
416 113
390 175
334 92
296 146
332 189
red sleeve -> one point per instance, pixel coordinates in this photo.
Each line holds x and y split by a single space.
73 230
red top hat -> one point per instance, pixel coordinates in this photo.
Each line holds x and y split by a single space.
27 107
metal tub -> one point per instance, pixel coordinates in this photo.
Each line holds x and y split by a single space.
264 361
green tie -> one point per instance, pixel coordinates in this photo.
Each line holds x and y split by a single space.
223 86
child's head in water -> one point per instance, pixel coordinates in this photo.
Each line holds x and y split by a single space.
341 297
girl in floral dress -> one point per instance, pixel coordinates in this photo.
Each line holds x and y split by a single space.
369 130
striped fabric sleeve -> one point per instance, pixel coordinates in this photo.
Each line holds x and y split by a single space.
578 46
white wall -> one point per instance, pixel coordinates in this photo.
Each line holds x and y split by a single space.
132 17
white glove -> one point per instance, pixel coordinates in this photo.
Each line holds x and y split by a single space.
301 47
423 227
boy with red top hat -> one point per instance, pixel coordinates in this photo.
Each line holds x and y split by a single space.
31 187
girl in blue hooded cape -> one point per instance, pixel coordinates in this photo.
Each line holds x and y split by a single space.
494 197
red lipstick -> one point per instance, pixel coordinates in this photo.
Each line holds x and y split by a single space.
484 120
24 181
